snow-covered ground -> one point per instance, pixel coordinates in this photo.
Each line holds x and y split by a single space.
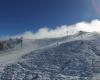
63 58
12 55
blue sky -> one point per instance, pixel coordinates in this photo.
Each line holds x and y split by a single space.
18 16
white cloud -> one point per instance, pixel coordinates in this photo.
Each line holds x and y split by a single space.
45 32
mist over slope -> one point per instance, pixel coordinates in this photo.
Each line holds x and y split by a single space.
71 57
63 30
58 31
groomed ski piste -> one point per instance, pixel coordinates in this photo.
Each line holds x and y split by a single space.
73 57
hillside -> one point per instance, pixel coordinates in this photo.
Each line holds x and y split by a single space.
72 57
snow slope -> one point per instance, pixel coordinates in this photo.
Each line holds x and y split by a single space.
12 55
64 58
